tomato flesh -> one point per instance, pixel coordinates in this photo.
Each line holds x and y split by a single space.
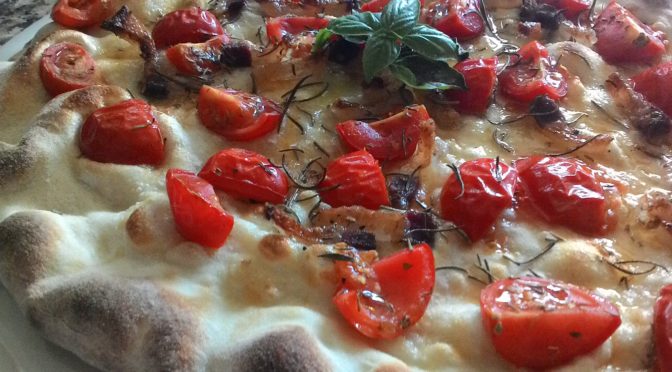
125 133
279 28
566 192
393 298
542 323
377 6
191 25
246 175
237 116
652 84
480 76
662 329
197 59
394 138
354 179
79 13
198 215
460 19
534 75
622 38
488 191
65 67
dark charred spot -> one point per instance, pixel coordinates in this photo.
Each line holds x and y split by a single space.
156 86
236 54
402 190
655 126
234 9
546 111
362 240
342 51
421 227
547 15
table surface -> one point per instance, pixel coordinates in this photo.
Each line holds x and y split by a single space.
16 15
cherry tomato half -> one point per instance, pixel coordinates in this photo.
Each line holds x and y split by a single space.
485 192
191 25
653 84
566 192
480 75
542 323
622 38
244 174
197 59
570 8
198 215
354 179
279 28
393 298
460 19
79 13
377 6
394 138
662 329
125 133
237 116
534 75
65 67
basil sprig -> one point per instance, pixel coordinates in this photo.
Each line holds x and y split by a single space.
414 53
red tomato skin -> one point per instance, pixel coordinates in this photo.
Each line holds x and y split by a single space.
354 179
197 59
662 329
566 192
279 28
377 6
125 133
79 13
393 138
459 19
484 198
191 25
570 8
246 175
653 84
237 116
480 76
198 215
534 75
406 283
622 38
65 67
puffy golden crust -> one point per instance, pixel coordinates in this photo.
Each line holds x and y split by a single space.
15 160
27 246
118 324
292 350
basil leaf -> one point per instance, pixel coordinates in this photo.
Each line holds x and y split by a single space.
428 74
380 51
431 43
371 19
353 25
321 40
399 16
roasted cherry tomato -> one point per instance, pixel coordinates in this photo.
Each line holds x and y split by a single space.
279 28
354 179
478 197
65 67
480 75
542 323
246 175
566 192
198 215
197 59
653 84
534 74
570 8
191 25
384 298
394 138
125 133
622 38
237 116
79 13
460 19
662 330
377 6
